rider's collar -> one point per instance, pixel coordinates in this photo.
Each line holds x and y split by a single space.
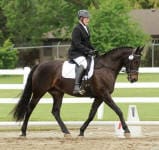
82 24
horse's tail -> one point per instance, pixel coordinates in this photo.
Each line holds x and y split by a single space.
21 108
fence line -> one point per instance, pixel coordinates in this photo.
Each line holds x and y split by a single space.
76 100
149 70
117 85
26 71
74 123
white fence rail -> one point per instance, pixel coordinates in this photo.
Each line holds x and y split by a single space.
76 100
74 123
26 71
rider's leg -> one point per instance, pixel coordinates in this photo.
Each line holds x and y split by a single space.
79 74
80 68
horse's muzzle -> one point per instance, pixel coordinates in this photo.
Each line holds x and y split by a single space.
133 77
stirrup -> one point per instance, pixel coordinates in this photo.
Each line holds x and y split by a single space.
82 92
77 90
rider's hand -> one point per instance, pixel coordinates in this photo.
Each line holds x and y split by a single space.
91 53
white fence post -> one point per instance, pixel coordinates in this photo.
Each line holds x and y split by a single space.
26 73
100 113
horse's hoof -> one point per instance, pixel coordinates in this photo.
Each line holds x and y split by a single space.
127 135
67 136
22 136
80 137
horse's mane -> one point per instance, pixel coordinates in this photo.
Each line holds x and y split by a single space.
115 50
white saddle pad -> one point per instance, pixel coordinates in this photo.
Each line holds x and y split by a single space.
68 70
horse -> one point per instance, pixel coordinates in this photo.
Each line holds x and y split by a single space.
47 77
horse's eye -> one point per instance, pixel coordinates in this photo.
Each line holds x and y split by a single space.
136 62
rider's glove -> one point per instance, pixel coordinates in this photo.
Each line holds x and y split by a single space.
91 53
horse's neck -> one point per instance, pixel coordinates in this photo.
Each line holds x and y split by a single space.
114 60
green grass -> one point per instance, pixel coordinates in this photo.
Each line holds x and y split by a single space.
136 93
117 92
77 112
10 79
143 77
80 111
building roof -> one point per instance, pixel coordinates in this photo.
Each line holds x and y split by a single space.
148 19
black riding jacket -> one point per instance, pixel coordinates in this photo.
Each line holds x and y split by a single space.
80 44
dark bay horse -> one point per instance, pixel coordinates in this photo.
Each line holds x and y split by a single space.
46 77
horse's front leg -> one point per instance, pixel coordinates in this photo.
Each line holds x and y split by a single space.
109 101
92 113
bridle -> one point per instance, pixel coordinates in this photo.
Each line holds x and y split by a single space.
130 68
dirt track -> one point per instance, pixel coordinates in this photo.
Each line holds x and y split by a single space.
96 138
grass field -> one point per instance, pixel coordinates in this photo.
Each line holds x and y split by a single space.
117 92
143 77
80 111
74 112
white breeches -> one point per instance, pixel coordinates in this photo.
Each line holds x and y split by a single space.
81 61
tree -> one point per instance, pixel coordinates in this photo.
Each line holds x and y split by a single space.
146 4
84 3
112 26
8 55
28 20
3 28
21 16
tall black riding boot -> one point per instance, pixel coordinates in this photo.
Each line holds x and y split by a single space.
79 74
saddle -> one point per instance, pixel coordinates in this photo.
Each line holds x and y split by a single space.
68 69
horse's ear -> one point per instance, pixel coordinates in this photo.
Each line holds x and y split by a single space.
139 50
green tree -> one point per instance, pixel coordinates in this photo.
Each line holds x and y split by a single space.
3 28
8 55
21 15
59 16
146 4
56 16
112 26
28 20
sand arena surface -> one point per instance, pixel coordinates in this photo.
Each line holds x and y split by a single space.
96 138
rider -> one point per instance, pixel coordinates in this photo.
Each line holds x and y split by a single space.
80 47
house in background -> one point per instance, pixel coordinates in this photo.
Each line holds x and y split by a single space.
149 21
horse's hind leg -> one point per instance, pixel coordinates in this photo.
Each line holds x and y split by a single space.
92 113
57 96
31 106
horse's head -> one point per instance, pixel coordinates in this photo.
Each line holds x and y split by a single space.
133 63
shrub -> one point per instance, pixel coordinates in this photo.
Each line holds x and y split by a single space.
8 55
